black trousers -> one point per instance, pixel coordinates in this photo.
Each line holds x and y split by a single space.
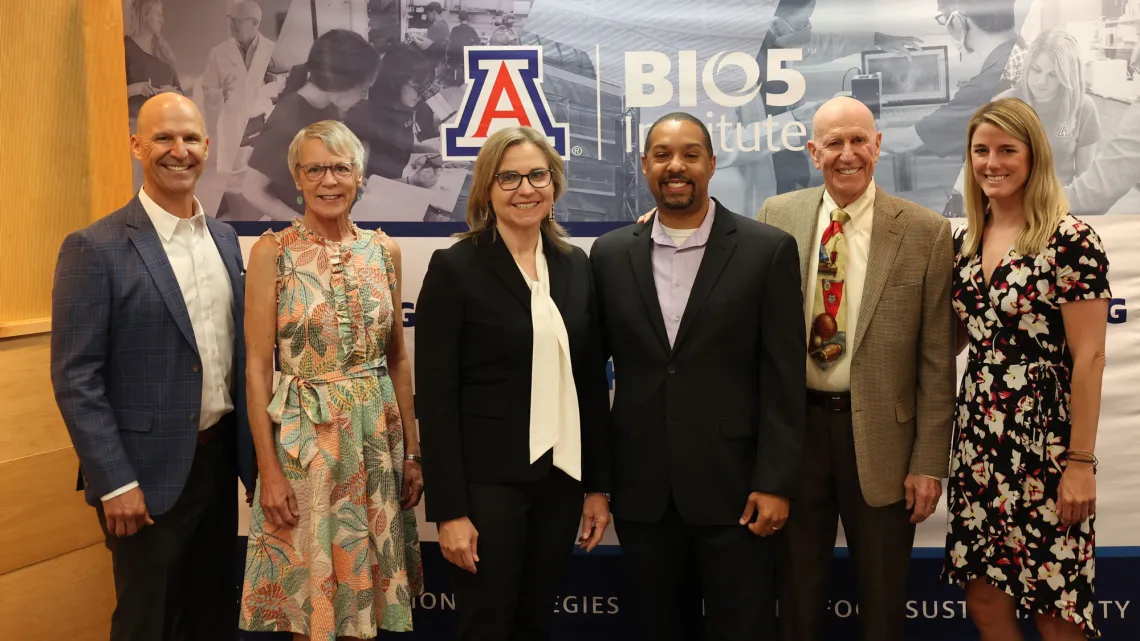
879 540
526 536
176 580
674 564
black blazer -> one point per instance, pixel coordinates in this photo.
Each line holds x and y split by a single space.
473 367
721 413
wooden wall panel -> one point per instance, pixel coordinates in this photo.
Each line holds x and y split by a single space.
45 517
69 597
43 159
108 134
29 419
64 161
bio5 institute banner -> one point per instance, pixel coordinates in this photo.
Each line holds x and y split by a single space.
594 74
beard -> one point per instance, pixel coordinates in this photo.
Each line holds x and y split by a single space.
677 201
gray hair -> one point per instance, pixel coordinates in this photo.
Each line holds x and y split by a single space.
339 140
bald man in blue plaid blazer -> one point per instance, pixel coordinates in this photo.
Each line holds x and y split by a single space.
148 366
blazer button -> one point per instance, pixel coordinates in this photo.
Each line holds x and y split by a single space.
193 416
197 368
672 369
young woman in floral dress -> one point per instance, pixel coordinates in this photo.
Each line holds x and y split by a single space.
1031 291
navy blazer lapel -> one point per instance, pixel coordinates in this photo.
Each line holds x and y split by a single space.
499 259
145 239
719 249
231 256
641 260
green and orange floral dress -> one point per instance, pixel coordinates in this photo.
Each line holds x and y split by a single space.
351 565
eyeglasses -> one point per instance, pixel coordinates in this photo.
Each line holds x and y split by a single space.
512 180
423 91
955 23
315 171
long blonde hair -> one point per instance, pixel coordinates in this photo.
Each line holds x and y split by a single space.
1063 49
134 25
480 214
1043 201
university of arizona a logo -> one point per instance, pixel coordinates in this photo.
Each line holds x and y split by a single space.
503 90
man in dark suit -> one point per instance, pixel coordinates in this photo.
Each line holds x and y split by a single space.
698 307
148 366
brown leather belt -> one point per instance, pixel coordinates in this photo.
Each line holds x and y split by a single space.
830 401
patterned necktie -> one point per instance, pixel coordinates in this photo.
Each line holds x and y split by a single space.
828 340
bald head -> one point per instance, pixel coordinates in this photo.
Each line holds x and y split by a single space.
845 147
841 111
170 142
164 106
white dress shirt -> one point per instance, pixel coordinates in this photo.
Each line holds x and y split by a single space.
554 419
858 236
206 290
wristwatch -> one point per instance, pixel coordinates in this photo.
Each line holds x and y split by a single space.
605 494
414 457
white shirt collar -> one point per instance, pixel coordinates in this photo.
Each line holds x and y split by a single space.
862 206
165 223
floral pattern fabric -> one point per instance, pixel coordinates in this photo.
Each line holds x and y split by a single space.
351 565
1013 427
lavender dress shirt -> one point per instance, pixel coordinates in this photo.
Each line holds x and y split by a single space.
675 269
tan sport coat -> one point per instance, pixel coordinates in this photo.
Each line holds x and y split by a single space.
903 367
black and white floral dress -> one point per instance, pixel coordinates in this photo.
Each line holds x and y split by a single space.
1013 427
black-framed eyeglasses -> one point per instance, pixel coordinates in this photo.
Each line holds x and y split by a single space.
315 171
512 180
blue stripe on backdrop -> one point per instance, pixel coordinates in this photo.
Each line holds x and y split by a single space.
597 605
1117 552
426 230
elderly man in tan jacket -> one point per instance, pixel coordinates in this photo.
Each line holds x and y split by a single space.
876 271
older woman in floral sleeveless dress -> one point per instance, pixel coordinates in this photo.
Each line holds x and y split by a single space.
333 549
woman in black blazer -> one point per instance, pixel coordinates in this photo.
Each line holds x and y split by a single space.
511 395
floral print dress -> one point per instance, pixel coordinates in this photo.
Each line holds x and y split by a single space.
1013 427
351 565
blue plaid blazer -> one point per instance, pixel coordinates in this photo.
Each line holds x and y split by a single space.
124 362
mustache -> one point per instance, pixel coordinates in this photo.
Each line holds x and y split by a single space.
674 178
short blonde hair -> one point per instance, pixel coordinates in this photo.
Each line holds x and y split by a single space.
338 139
480 214
1044 200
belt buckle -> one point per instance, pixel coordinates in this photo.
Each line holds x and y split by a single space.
833 403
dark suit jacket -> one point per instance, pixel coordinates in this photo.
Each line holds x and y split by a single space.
721 413
124 361
473 367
